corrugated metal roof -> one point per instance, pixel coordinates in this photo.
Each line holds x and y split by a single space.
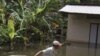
83 9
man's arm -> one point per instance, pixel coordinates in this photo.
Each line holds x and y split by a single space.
40 53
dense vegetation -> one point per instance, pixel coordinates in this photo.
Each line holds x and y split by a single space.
29 21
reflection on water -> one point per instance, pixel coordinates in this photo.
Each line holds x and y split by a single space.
30 51
74 49
82 49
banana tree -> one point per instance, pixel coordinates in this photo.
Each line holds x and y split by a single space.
33 14
26 16
11 29
6 22
29 17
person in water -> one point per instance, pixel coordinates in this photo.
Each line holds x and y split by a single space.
50 51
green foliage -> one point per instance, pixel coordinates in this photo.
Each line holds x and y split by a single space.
73 1
3 31
29 18
11 28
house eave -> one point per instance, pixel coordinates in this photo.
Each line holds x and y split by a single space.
81 9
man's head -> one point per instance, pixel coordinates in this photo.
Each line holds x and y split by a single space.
56 44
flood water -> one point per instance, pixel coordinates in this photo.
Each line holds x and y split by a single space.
29 51
74 49
82 49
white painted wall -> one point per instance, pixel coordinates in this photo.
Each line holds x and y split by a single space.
79 27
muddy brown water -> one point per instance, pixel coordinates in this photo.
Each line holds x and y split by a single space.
83 49
74 49
29 51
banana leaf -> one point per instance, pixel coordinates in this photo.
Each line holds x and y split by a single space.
11 27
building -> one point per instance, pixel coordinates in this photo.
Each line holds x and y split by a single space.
83 23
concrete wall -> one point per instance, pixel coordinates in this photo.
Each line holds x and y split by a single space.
79 27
